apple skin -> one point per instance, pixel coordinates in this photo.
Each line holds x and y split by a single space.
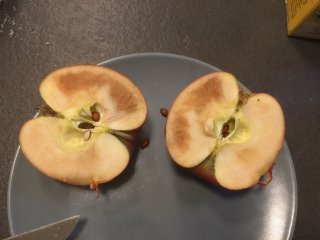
205 169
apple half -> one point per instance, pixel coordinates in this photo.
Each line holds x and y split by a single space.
222 134
87 129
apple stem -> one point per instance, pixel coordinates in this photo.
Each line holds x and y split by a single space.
94 185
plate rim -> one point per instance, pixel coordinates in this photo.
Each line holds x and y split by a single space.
293 217
9 190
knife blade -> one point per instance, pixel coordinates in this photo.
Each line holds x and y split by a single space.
59 230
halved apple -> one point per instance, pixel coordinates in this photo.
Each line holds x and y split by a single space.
223 135
87 130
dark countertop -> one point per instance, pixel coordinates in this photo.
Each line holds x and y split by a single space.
246 38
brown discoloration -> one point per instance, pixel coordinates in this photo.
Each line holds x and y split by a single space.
181 137
210 90
74 82
244 153
123 97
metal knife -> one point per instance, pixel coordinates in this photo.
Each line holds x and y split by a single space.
59 230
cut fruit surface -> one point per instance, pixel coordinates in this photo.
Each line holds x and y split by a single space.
190 123
86 132
71 89
229 141
248 161
63 154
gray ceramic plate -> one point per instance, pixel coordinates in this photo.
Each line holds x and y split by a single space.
153 199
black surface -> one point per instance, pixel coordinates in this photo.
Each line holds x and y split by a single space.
247 38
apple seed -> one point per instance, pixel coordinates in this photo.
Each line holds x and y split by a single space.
87 135
164 112
145 143
95 116
225 130
228 127
86 125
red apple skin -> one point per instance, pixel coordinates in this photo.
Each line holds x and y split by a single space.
206 173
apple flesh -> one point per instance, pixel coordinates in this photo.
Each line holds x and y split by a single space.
87 131
223 135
